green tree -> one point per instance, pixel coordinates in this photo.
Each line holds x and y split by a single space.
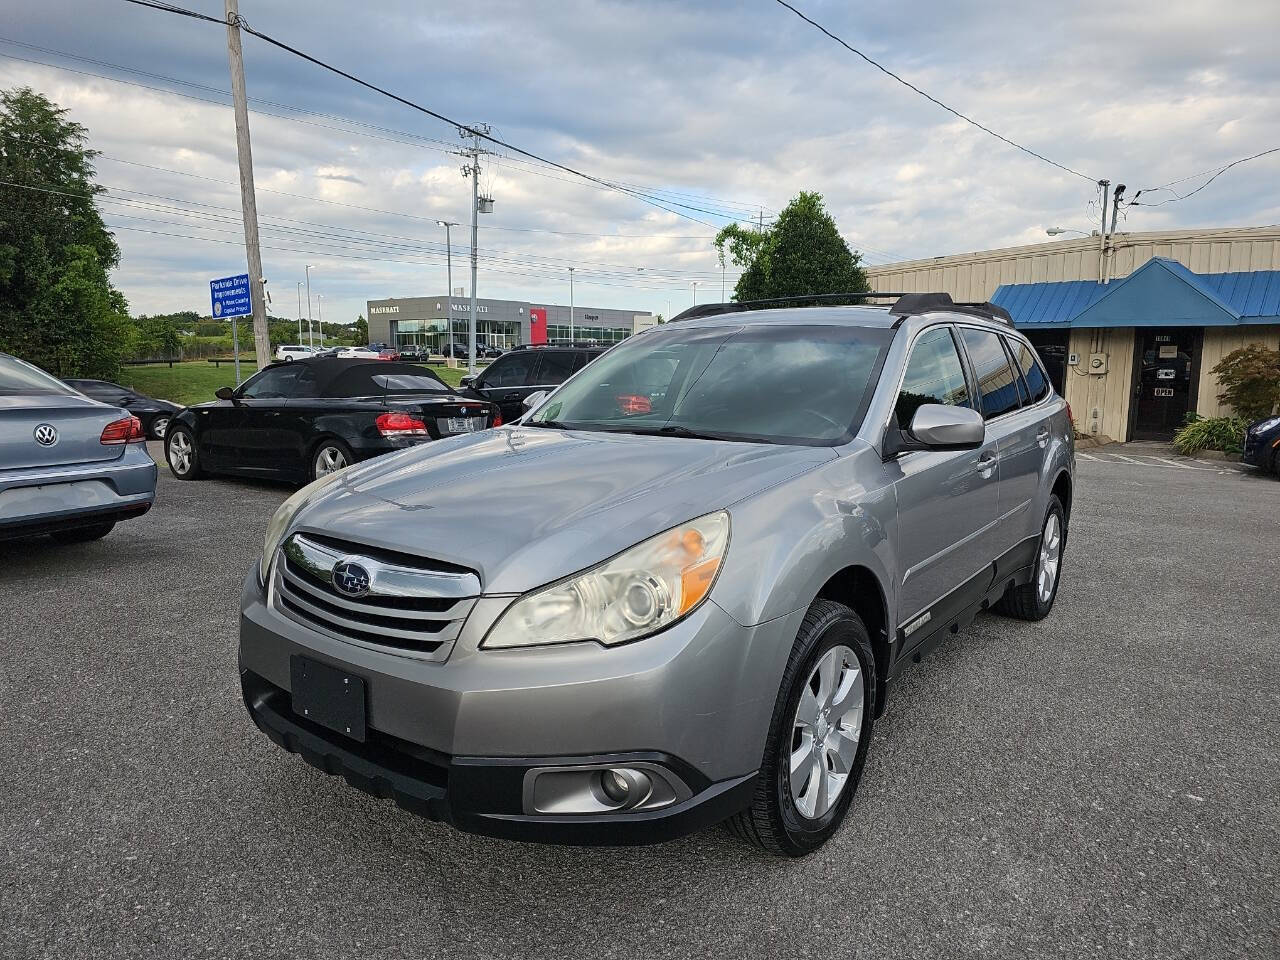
360 330
57 306
1250 378
801 253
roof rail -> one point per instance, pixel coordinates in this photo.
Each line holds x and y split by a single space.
913 303
905 304
715 309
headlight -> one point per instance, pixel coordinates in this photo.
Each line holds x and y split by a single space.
640 591
1261 428
283 519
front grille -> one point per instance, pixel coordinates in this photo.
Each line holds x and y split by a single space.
413 606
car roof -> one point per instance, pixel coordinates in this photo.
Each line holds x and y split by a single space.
851 316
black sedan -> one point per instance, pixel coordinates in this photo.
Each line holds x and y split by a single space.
301 420
1262 444
154 414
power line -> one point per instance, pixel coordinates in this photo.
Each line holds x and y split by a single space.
466 129
932 99
1176 196
386 134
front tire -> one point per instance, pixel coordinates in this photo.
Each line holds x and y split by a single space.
160 426
1033 601
330 457
818 737
181 453
95 531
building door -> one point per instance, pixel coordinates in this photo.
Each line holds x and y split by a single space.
1051 345
1167 374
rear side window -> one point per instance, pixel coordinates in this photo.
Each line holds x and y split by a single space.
410 383
555 367
1032 373
510 370
271 384
934 375
996 384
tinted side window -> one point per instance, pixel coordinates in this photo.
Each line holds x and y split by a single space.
1037 382
555 367
934 375
996 385
270 384
510 370
306 384
1023 397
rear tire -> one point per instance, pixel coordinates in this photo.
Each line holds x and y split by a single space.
95 531
329 457
785 818
181 453
160 426
1034 600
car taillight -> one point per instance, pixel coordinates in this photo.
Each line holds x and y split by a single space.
633 403
124 430
497 418
400 425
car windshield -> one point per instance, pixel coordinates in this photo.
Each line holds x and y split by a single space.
771 384
18 378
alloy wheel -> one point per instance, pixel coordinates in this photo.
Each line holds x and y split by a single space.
1050 557
825 732
159 427
329 460
180 452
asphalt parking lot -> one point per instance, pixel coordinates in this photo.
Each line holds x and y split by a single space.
1103 784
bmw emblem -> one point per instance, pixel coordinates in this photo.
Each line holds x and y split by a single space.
46 435
350 579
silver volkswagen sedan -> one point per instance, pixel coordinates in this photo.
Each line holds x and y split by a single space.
70 467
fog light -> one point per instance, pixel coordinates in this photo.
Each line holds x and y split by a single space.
600 790
624 787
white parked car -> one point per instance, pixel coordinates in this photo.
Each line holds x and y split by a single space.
291 351
358 353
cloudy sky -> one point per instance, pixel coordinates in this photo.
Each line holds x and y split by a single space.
715 110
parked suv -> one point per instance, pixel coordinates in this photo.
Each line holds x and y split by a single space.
619 621
525 370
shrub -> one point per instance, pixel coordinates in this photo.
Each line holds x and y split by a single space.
1250 377
1210 433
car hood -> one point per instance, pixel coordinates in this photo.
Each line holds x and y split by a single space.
525 506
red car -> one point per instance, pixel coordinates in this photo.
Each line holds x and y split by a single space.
388 354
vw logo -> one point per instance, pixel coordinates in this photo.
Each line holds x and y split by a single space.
46 435
350 579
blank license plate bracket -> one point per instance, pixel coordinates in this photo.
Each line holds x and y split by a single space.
330 697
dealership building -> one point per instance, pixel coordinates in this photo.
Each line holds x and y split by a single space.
1131 352
424 322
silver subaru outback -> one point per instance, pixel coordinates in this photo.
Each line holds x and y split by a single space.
679 589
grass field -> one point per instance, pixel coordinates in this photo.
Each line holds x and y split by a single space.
196 380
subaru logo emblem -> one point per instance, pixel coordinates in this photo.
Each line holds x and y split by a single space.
350 579
46 435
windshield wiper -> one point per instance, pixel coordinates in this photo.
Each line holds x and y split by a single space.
549 424
674 430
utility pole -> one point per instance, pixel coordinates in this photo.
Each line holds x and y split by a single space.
472 170
311 337
571 305
1102 234
248 198
320 316
299 313
1111 247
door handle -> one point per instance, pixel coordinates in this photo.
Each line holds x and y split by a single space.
987 464
512 396
1042 437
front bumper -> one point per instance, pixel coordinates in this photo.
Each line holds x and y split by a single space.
453 739
45 499
1258 448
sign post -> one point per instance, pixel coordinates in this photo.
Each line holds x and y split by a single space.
232 298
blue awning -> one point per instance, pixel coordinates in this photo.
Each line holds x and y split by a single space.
1161 293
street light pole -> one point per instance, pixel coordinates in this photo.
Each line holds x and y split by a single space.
695 291
448 299
311 340
320 316
299 313
571 305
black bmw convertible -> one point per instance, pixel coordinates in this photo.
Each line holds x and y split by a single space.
298 421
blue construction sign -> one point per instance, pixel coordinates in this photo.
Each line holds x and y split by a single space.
231 297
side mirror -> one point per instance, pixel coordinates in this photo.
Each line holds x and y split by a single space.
937 426
225 393
467 382
532 400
